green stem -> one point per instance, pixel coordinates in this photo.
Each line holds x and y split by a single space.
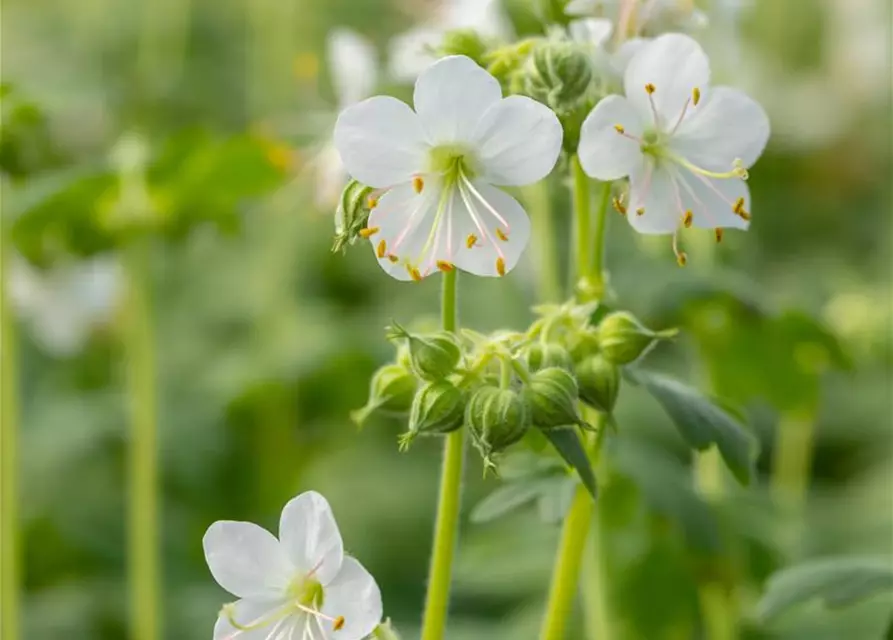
447 526
583 226
9 468
574 536
542 220
791 469
143 502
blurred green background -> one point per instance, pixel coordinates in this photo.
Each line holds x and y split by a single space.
264 340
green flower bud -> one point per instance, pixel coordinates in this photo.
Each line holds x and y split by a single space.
599 382
352 214
543 355
497 418
438 408
390 392
552 394
464 42
623 339
558 74
432 357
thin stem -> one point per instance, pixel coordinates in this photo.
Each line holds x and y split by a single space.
543 221
791 469
574 536
598 240
143 502
449 502
583 224
9 468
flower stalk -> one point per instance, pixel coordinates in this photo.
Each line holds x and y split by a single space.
449 502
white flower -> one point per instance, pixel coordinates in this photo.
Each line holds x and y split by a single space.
653 15
685 146
435 167
412 52
299 587
65 303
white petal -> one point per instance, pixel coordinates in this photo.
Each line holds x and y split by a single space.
727 125
352 65
330 178
712 201
309 535
250 612
591 31
605 153
451 96
380 141
247 560
588 7
654 190
512 221
405 220
354 595
627 51
409 53
517 141
675 64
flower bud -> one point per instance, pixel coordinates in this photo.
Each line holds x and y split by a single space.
432 357
352 214
599 382
558 74
623 339
543 355
497 419
464 42
438 408
552 394
390 392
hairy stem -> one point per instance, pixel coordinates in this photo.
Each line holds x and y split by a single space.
446 528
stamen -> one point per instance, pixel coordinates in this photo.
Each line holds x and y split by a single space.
619 128
738 207
483 201
744 215
445 266
681 257
640 211
695 96
718 233
338 625
500 266
276 615
501 235
393 258
414 273
650 88
471 240
368 232
474 217
382 250
681 117
372 202
618 205
738 171
418 183
687 219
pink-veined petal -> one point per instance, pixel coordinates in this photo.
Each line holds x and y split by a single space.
712 201
248 613
355 596
651 188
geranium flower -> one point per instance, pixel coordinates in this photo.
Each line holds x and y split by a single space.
435 166
300 586
685 146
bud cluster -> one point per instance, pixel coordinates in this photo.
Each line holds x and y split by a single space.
503 385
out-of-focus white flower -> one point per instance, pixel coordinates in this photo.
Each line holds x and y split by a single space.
65 303
435 167
685 146
638 16
302 585
412 52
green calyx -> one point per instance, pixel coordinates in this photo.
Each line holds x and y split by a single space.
432 357
497 419
599 382
542 355
390 392
552 395
352 214
622 339
452 162
438 408
558 74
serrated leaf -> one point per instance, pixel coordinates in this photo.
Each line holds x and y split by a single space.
838 582
701 422
505 499
567 444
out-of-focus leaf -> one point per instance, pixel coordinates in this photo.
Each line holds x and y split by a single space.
702 423
505 499
567 444
838 582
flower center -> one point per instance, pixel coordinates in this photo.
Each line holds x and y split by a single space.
451 161
306 591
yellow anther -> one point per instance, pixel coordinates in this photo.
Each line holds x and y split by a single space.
619 206
695 96
500 266
445 266
681 258
414 273
393 258
744 214
471 240
368 232
418 183
687 219
501 235
372 202
738 207
640 211
338 625
619 128
718 233
650 88
382 249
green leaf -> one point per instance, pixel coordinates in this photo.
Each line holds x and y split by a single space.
838 582
702 423
567 444
505 499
